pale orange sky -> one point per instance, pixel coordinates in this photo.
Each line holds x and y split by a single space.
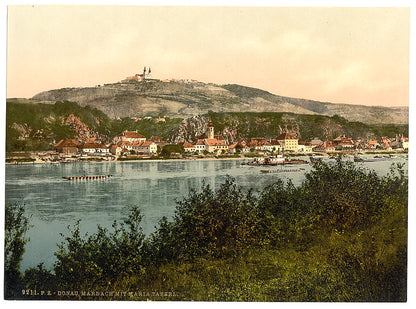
340 55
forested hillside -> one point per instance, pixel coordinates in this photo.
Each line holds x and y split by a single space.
38 126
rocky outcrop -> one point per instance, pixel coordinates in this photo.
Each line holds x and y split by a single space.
229 134
189 130
83 132
23 129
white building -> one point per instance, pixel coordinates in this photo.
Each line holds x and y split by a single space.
95 149
129 136
304 147
146 147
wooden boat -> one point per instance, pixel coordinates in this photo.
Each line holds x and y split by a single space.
277 160
296 161
315 160
279 171
95 177
358 159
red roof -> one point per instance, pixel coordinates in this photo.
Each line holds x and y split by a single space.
188 145
124 144
346 143
67 143
325 145
142 143
259 142
238 144
242 140
93 146
275 143
91 140
147 143
214 142
131 134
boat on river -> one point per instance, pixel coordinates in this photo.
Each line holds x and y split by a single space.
315 160
280 171
375 159
95 177
275 160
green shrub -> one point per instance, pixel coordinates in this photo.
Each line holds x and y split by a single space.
339 236
16 227
98 260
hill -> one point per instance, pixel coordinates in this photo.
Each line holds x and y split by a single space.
186 99
38 126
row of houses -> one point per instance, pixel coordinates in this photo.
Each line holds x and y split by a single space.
212 143
126 142
346 143
286 142
132 141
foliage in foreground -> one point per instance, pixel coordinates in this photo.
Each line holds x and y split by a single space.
16 226
340 236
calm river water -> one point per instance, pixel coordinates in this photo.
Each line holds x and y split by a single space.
54 203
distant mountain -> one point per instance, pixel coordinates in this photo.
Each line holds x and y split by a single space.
185 99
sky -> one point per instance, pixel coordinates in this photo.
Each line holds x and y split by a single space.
353 55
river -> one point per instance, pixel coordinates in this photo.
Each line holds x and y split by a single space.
53 203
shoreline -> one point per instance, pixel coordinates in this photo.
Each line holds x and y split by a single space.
94 160
123 161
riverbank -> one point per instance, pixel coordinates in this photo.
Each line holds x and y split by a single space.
94 160
56 158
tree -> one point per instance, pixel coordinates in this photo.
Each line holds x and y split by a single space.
103 257
209 223
16 227
344 195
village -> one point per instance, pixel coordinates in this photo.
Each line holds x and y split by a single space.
131 145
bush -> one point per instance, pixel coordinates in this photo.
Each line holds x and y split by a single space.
344 196
16 227
339 236
98 260
208 223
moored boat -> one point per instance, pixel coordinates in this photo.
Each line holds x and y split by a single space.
280 171
94 177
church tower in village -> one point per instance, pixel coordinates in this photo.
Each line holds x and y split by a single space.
210 130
